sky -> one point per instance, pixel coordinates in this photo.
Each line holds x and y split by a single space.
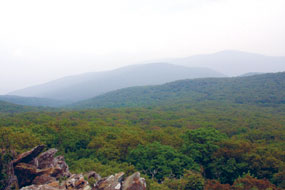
44 40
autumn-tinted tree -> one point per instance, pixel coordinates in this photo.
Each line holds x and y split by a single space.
249 182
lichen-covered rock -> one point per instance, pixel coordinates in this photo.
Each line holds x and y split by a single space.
25 173
45 159
134 182
27 157
61 166
76 181
113 182
39 187
50 186
43 179
34 170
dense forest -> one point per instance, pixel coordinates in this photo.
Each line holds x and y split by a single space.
230 142
6 107
257 89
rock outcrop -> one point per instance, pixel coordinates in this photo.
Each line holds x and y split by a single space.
134 182
29 156
113 182
77 181
34 170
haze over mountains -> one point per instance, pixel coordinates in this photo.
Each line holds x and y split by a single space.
151 95
80 87
234 63
257 89
88 85
260 89
33 101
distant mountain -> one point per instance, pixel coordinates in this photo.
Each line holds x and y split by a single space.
233 63
31 101
250 74
258 89
80 87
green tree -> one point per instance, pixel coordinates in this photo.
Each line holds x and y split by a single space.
201 143
160 161
190 181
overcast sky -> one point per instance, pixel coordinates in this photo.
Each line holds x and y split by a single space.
44 40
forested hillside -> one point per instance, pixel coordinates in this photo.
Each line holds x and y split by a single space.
191 146
258 89
6 107
211 134
88 85
142 95
32 101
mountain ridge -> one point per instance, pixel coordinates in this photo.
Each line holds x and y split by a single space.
33 101
10 108
84 86
258 89
233 62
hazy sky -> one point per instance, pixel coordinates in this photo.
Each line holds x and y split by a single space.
44 40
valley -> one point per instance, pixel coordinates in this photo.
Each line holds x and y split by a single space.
211 132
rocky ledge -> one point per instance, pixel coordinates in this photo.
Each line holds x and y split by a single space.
34 170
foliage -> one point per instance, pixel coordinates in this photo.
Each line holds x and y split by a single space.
201 143
249 182
190 181
216 185
279 179
6 156
6 107
258 89
220 141
87 164
160 161
234 158
245 183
